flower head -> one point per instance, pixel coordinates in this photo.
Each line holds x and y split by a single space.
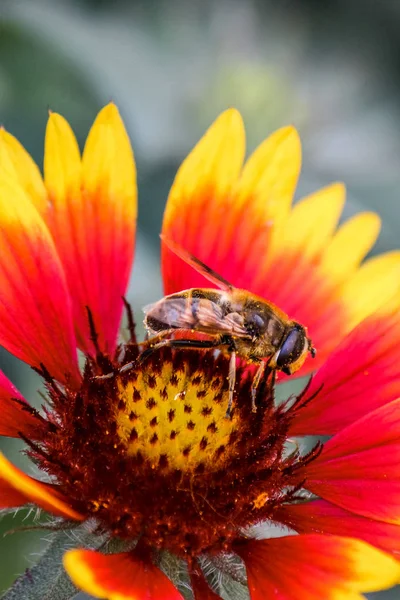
138 443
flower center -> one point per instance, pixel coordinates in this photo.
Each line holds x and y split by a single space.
150 453
177 418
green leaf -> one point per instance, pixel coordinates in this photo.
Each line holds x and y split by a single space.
47 580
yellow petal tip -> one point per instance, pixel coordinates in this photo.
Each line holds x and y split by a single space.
230 120
108 114
287 139
288 131
54 118
231 113
372 218
338 186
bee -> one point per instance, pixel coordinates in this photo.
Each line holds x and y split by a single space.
246 325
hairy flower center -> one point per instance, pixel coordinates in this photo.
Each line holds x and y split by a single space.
150 453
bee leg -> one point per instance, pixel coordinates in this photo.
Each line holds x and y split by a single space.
255 384
142 357
180 343
107 376
232 383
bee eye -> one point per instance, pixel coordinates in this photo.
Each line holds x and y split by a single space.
292 348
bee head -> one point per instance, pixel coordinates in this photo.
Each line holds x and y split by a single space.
293 350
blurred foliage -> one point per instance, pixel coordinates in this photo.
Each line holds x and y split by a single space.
35 77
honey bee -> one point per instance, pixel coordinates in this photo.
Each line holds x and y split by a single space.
246 325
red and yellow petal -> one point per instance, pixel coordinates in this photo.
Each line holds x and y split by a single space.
260 207
358 234
213 201
323 517
93 219
358 377
20 165
35 309
17 489
246 231
358 468
124 576
312 567
329 302
17 416
310 225
201 198
375 283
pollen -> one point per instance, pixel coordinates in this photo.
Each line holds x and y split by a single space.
261 500
181 418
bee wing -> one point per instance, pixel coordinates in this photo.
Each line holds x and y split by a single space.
149 307
184 312
168 313
198 265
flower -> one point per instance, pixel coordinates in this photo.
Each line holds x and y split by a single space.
143 448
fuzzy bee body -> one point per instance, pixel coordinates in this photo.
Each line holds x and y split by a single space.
256 327
244 324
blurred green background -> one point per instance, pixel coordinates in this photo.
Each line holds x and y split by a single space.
332 68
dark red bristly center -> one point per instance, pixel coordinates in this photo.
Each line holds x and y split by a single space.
159 482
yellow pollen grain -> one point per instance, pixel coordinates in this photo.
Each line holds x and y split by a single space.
175 419
96 505
261 500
